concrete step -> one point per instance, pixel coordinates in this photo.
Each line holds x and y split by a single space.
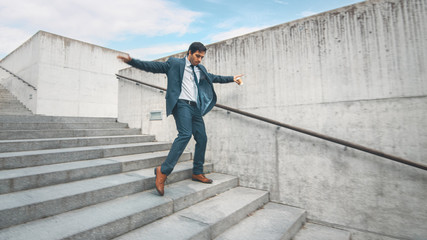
25 206
8 99
36 177
15 111
51 143
4 100
23 112
53 119
3 90
5 93
65 133
115 217
12 108
10 103
273 221
315 231
204 220
51 126
11 160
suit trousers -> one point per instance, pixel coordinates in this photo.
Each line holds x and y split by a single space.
189 122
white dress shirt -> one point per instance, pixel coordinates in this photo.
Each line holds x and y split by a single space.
189 87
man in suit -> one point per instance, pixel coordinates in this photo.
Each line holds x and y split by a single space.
190 95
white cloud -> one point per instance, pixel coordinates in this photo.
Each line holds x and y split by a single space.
308 13
214 1
158 51
281 2
229 23
11 38
233 33
95 21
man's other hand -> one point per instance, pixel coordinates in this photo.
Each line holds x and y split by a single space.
125 59
238 79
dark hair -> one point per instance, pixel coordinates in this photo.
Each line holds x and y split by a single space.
196 46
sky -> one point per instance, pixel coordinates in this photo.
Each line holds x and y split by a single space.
149 29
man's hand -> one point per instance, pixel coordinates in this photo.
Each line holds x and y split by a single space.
125 59
238 79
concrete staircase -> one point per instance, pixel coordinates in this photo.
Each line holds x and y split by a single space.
9 104
92 178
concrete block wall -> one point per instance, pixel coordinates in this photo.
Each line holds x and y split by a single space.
72 78
356 73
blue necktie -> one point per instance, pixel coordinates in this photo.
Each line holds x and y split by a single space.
197 84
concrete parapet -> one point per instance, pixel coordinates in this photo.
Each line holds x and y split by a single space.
72 78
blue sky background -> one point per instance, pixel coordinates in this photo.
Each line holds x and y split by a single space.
149 29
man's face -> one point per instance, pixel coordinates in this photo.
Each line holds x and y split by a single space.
196 58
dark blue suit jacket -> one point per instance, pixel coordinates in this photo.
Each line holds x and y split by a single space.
174 69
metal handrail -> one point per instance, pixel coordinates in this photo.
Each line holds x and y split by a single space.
11 73
301 130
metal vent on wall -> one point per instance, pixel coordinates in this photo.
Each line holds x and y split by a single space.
155 115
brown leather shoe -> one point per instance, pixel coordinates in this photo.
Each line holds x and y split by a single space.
201 178
160 180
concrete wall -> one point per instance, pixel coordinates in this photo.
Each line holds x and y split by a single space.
357 73
72 78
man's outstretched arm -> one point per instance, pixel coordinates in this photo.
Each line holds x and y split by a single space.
148 66
223 79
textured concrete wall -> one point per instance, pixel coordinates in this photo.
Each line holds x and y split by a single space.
73 78
136 102
357 73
